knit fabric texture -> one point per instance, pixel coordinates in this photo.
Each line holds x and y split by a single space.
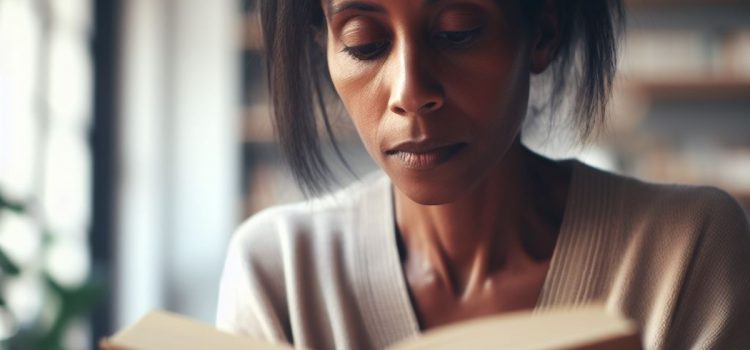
326 273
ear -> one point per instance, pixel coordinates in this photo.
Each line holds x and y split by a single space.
545 37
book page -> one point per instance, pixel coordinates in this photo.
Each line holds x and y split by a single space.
589 328
160 330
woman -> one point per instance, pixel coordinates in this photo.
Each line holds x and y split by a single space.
464 221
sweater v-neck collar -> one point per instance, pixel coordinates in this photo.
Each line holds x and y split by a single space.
387 308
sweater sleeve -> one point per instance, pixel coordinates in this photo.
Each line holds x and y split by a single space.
248 302
713 310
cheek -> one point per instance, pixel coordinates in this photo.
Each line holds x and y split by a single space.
357 86
492 88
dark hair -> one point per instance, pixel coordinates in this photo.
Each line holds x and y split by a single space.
299 82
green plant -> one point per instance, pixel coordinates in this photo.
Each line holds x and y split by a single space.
61 305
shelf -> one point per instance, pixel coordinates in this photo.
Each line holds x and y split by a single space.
252 37
257 125
694 88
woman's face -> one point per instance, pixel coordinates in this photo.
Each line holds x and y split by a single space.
437 89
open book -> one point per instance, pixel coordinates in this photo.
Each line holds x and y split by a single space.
588 328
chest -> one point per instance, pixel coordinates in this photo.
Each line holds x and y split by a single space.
437 303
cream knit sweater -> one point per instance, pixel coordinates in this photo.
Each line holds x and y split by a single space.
326 273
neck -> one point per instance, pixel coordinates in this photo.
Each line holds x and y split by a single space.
466 240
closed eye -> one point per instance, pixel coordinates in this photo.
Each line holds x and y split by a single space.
367 51
457 39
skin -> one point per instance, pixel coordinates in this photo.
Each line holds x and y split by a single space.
479 222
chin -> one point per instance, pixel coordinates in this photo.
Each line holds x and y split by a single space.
429 190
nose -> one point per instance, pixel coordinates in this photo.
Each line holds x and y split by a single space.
415 89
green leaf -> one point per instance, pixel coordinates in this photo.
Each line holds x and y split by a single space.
7 265
75 303
13 206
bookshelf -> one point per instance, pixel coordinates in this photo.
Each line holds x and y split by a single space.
684 83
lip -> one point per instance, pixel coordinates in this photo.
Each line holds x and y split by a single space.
423 155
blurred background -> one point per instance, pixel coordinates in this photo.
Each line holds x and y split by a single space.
135 136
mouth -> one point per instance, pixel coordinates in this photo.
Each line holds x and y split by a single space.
423 155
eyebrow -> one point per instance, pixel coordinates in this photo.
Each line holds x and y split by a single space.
363 6
353 5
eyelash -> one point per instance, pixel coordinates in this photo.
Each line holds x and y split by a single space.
356 51
442 38
468 37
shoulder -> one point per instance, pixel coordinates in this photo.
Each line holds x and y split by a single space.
683 208
273 233
285 252
660 222
682 259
